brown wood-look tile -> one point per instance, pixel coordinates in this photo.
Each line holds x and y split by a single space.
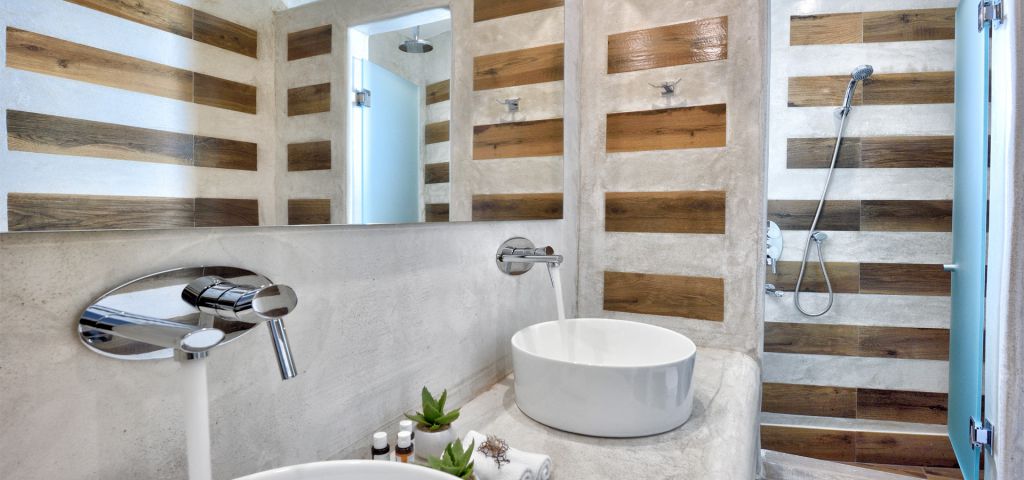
437 132
667 129
490 9
519 67
907 215
39 133
436 212
665 212
221 33
820 443
39 212
817 152
667 295
309 43
704 40
227 212
826 29
309 99
438 92
902 406
519 206
221 153
845 277
909 88
909 25
906 152
160 14
900 342
309 156
811 339
436 173
839 215
536 138
813 400
51 56
824 91
904 449
217 92
904 279
309 211
947 473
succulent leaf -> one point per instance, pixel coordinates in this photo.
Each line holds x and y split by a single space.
448 418
444 398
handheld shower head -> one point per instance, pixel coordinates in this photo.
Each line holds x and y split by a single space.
858 74
862 72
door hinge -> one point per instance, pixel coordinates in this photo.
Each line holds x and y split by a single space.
363 98
991 12
981 435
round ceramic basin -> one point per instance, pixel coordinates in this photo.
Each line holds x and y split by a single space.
605 378
350 470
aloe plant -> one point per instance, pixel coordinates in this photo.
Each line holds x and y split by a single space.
433 417
455 461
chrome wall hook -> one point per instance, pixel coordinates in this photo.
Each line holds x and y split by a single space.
511 103
667 88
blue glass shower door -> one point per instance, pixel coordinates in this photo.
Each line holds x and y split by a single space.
970 194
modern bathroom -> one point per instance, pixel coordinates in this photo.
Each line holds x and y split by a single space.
512 239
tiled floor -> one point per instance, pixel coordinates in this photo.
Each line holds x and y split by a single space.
927 473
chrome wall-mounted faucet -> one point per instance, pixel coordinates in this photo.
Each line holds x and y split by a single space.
517 256
186 312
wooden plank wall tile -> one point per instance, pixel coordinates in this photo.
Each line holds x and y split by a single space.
309 211
226 212
181 20
37 212
437 132
665 212
161 14
857 341
880 89
668 295
490 9
813 400
667 129
900 342
51 56
222 153
309 156
309 99
905 449
309 43
436 173
704 40
845 277
902 406
519 206
221 33
34 132
824 444
872 152
907 215
904 279
839 215
871 27
436 212
536 138
438 92
519 67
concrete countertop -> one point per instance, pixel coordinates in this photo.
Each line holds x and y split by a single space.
719 441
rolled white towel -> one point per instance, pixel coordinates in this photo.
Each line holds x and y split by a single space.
538 465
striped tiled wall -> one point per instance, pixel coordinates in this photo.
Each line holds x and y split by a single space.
105 100
671 185
866 382
515 170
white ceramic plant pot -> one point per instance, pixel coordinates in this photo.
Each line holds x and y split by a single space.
432 444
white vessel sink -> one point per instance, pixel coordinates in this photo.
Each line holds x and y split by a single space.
351 470
605 378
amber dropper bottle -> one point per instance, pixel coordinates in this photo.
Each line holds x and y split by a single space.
403 447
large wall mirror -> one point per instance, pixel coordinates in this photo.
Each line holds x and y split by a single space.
330 112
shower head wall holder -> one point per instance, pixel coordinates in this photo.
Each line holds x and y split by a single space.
511 103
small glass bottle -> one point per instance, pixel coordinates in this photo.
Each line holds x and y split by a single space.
381 450
403 447
406 426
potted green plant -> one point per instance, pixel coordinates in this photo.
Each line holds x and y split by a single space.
456 461
434 430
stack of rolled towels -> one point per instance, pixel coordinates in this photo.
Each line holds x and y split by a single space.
522 465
